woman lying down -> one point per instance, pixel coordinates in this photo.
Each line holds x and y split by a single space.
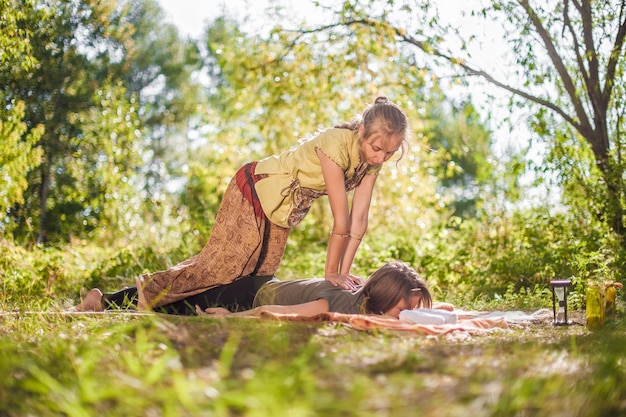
394 290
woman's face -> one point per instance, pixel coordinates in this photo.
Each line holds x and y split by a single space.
377 148
395 311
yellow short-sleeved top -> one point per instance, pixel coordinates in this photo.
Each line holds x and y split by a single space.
292 180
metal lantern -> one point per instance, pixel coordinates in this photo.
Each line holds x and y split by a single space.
559 293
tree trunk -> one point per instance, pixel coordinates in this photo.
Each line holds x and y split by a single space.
43 198
612 174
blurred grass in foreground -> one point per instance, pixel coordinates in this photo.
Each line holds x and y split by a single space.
126 364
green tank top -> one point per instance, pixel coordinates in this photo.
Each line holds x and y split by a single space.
299 291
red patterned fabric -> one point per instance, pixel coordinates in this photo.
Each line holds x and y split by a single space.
246 179
241 243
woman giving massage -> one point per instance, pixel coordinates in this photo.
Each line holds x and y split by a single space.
267 198
391 289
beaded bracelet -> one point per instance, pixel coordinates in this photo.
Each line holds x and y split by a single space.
340 235
355 237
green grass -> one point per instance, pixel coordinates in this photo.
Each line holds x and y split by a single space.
136 365
114 364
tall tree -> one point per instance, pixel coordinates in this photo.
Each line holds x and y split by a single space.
59 86
568 62
84 47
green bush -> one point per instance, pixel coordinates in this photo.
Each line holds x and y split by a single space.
524 252
38 277
499 262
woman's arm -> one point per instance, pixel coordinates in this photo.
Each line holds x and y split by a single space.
335 187
358 220
310 309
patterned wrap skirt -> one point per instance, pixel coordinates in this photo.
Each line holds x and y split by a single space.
242 242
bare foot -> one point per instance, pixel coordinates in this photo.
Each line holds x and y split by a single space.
92 302
142 303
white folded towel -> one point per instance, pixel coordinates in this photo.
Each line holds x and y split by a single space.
428 316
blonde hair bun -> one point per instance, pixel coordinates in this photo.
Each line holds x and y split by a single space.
381 100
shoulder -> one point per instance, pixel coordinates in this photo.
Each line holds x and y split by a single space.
340 300
340 145
335 136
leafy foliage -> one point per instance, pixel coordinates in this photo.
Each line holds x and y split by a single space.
464 146
18 155
76 49
567 63
19 152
